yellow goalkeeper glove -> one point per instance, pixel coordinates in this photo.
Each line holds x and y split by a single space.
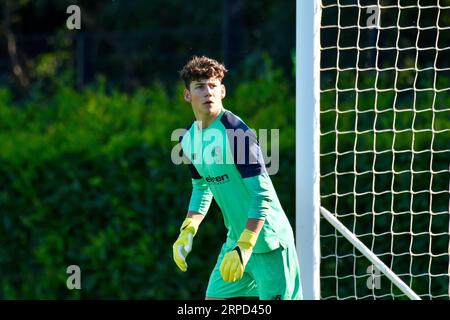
183 245
234 262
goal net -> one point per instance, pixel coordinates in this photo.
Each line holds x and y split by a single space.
384 151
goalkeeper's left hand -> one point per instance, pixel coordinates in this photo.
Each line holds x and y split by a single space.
234 262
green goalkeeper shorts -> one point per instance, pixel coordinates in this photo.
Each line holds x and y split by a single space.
274 275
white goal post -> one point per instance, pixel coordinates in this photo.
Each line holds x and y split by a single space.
373 148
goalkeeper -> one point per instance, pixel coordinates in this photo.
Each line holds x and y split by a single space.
259 258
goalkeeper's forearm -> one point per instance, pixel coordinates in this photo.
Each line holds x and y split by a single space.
196 217
254 225
201 197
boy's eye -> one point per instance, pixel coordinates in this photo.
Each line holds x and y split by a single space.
202 86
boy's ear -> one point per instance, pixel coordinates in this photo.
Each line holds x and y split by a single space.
187 95
224 91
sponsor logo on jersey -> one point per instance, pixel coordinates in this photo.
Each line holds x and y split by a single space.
218 180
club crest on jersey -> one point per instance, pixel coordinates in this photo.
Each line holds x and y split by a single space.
216 154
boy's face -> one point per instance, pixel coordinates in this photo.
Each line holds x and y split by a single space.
205 96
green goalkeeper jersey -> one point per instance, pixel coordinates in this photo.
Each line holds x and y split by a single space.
226 163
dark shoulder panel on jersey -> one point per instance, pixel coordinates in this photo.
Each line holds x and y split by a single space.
192 170
244 145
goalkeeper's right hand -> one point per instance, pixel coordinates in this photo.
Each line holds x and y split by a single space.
183 245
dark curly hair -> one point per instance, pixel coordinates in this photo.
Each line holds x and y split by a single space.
202 68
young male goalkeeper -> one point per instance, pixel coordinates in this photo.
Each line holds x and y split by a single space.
259 258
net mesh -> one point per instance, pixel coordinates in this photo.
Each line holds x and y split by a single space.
385 145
